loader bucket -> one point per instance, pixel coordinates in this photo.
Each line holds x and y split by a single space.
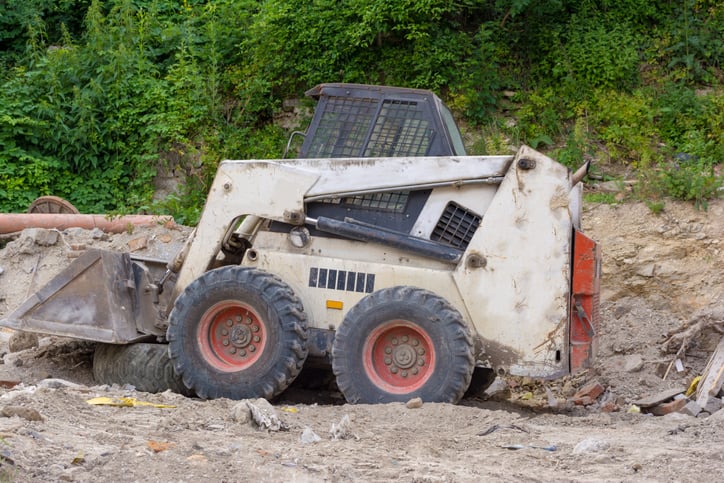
92 299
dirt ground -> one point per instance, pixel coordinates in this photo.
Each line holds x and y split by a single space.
660 273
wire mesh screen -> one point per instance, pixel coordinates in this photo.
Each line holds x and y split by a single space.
456 226
394 202
343 128
400 130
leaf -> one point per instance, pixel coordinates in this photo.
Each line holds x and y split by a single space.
158 446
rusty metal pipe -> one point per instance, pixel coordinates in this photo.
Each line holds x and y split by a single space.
15 222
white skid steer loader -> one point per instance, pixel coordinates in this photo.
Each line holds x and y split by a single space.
412 269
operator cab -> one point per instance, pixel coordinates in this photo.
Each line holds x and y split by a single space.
363 121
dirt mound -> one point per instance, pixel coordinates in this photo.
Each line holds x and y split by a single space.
661 274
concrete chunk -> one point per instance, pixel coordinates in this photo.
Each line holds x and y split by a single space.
691 409
653 400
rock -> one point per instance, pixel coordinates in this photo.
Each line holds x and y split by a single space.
197 459
713 405
691 408
414 403
98 234
20 341
54 383
633 363
717 416
241 413
648 270
264 416
498 389
309 436
21 412
42 237
611 186
138 243
591 445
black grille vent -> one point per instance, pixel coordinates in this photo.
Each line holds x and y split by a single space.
456 226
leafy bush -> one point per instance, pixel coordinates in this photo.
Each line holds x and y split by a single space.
97 95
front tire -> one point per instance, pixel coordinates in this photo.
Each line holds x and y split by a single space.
400 343
238 333
144 366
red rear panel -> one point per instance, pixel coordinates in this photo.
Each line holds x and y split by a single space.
585 300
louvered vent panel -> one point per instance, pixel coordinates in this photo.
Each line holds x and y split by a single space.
456 226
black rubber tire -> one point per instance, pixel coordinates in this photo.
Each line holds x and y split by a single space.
371 329
147 367
482 378
205 362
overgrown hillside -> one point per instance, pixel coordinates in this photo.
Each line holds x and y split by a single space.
98 96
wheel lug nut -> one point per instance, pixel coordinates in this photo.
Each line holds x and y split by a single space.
255 328
238 318
233 350
388 350
421 362
415 342
229 322
388 361
225 342
404 374
405 338
224 332
415 371
242 352
257 338
252 348
249 321
421 351
395 341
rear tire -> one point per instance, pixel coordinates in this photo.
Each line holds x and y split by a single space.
400 343
238 333
147 367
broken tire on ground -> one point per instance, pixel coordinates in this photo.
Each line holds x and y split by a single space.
147 367
238 333
403 342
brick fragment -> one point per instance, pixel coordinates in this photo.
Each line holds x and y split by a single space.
588 393
138 243
669 407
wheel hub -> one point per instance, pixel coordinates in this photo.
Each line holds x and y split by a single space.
232 336
399 357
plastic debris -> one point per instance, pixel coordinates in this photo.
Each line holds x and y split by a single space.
496 427
551 447
343 429
693 386
309 436
124 402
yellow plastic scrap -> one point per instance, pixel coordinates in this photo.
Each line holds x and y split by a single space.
692 387
124 402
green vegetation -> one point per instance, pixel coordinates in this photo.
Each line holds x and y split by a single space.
97 97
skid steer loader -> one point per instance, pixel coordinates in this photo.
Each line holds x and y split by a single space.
382 250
